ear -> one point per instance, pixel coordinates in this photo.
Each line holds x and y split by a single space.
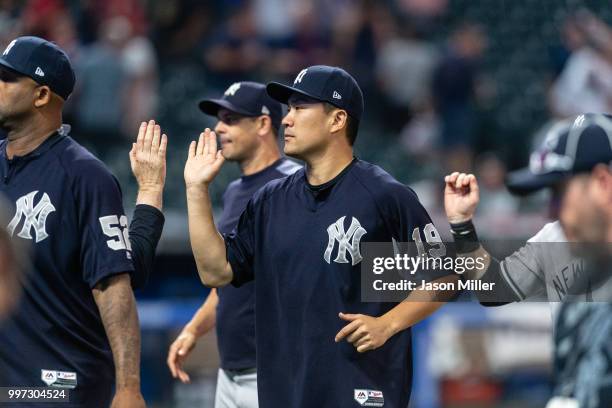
601 178
338 120
42 96
264 125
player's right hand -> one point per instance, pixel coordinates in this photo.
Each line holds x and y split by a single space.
461 196
179 350
204 160
148 157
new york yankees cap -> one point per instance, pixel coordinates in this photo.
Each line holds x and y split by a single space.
326 84
248 99
570 147
41 60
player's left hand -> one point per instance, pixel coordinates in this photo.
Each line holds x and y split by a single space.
128 398
364 332
148 157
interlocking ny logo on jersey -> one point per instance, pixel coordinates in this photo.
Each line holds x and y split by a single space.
348 241
35 217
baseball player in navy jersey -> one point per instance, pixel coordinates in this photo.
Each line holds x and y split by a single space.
579 150
299 239
248 126
76 325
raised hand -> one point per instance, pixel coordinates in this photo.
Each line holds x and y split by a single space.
148 157
204 160
461 196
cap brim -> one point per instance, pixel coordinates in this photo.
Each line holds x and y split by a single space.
6 64
212 106
282 93
523 182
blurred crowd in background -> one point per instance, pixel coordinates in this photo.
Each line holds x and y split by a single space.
467 85
449 85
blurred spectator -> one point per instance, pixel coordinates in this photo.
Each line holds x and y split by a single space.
585 84
266 16
40 16
404 68
454 90
235 51
420 137
140 64
100 94
495 200
307 43
424 8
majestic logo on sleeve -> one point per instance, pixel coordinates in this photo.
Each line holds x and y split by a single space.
34 216
348 241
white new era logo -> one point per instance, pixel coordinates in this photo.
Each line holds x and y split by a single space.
336 95
39 72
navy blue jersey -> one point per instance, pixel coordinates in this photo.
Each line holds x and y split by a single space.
236 308
68 209
302 248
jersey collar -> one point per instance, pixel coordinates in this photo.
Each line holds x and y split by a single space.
45 146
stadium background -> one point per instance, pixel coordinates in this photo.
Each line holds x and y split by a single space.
449 84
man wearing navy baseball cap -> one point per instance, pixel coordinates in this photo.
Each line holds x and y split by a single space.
75 328
300 238
579 160
574 162
248 125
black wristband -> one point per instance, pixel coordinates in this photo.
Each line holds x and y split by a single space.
466 239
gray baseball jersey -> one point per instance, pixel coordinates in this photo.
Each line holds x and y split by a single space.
545 269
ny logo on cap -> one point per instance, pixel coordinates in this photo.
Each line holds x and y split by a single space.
300 76
6 51
231 91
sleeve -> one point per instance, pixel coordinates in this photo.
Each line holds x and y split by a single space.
412 225
239 246
105 245
145 231
523 273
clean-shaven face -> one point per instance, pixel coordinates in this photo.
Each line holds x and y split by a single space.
237 134
306 127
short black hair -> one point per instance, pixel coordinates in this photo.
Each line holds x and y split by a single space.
352 124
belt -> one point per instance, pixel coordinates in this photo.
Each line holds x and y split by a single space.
243 371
